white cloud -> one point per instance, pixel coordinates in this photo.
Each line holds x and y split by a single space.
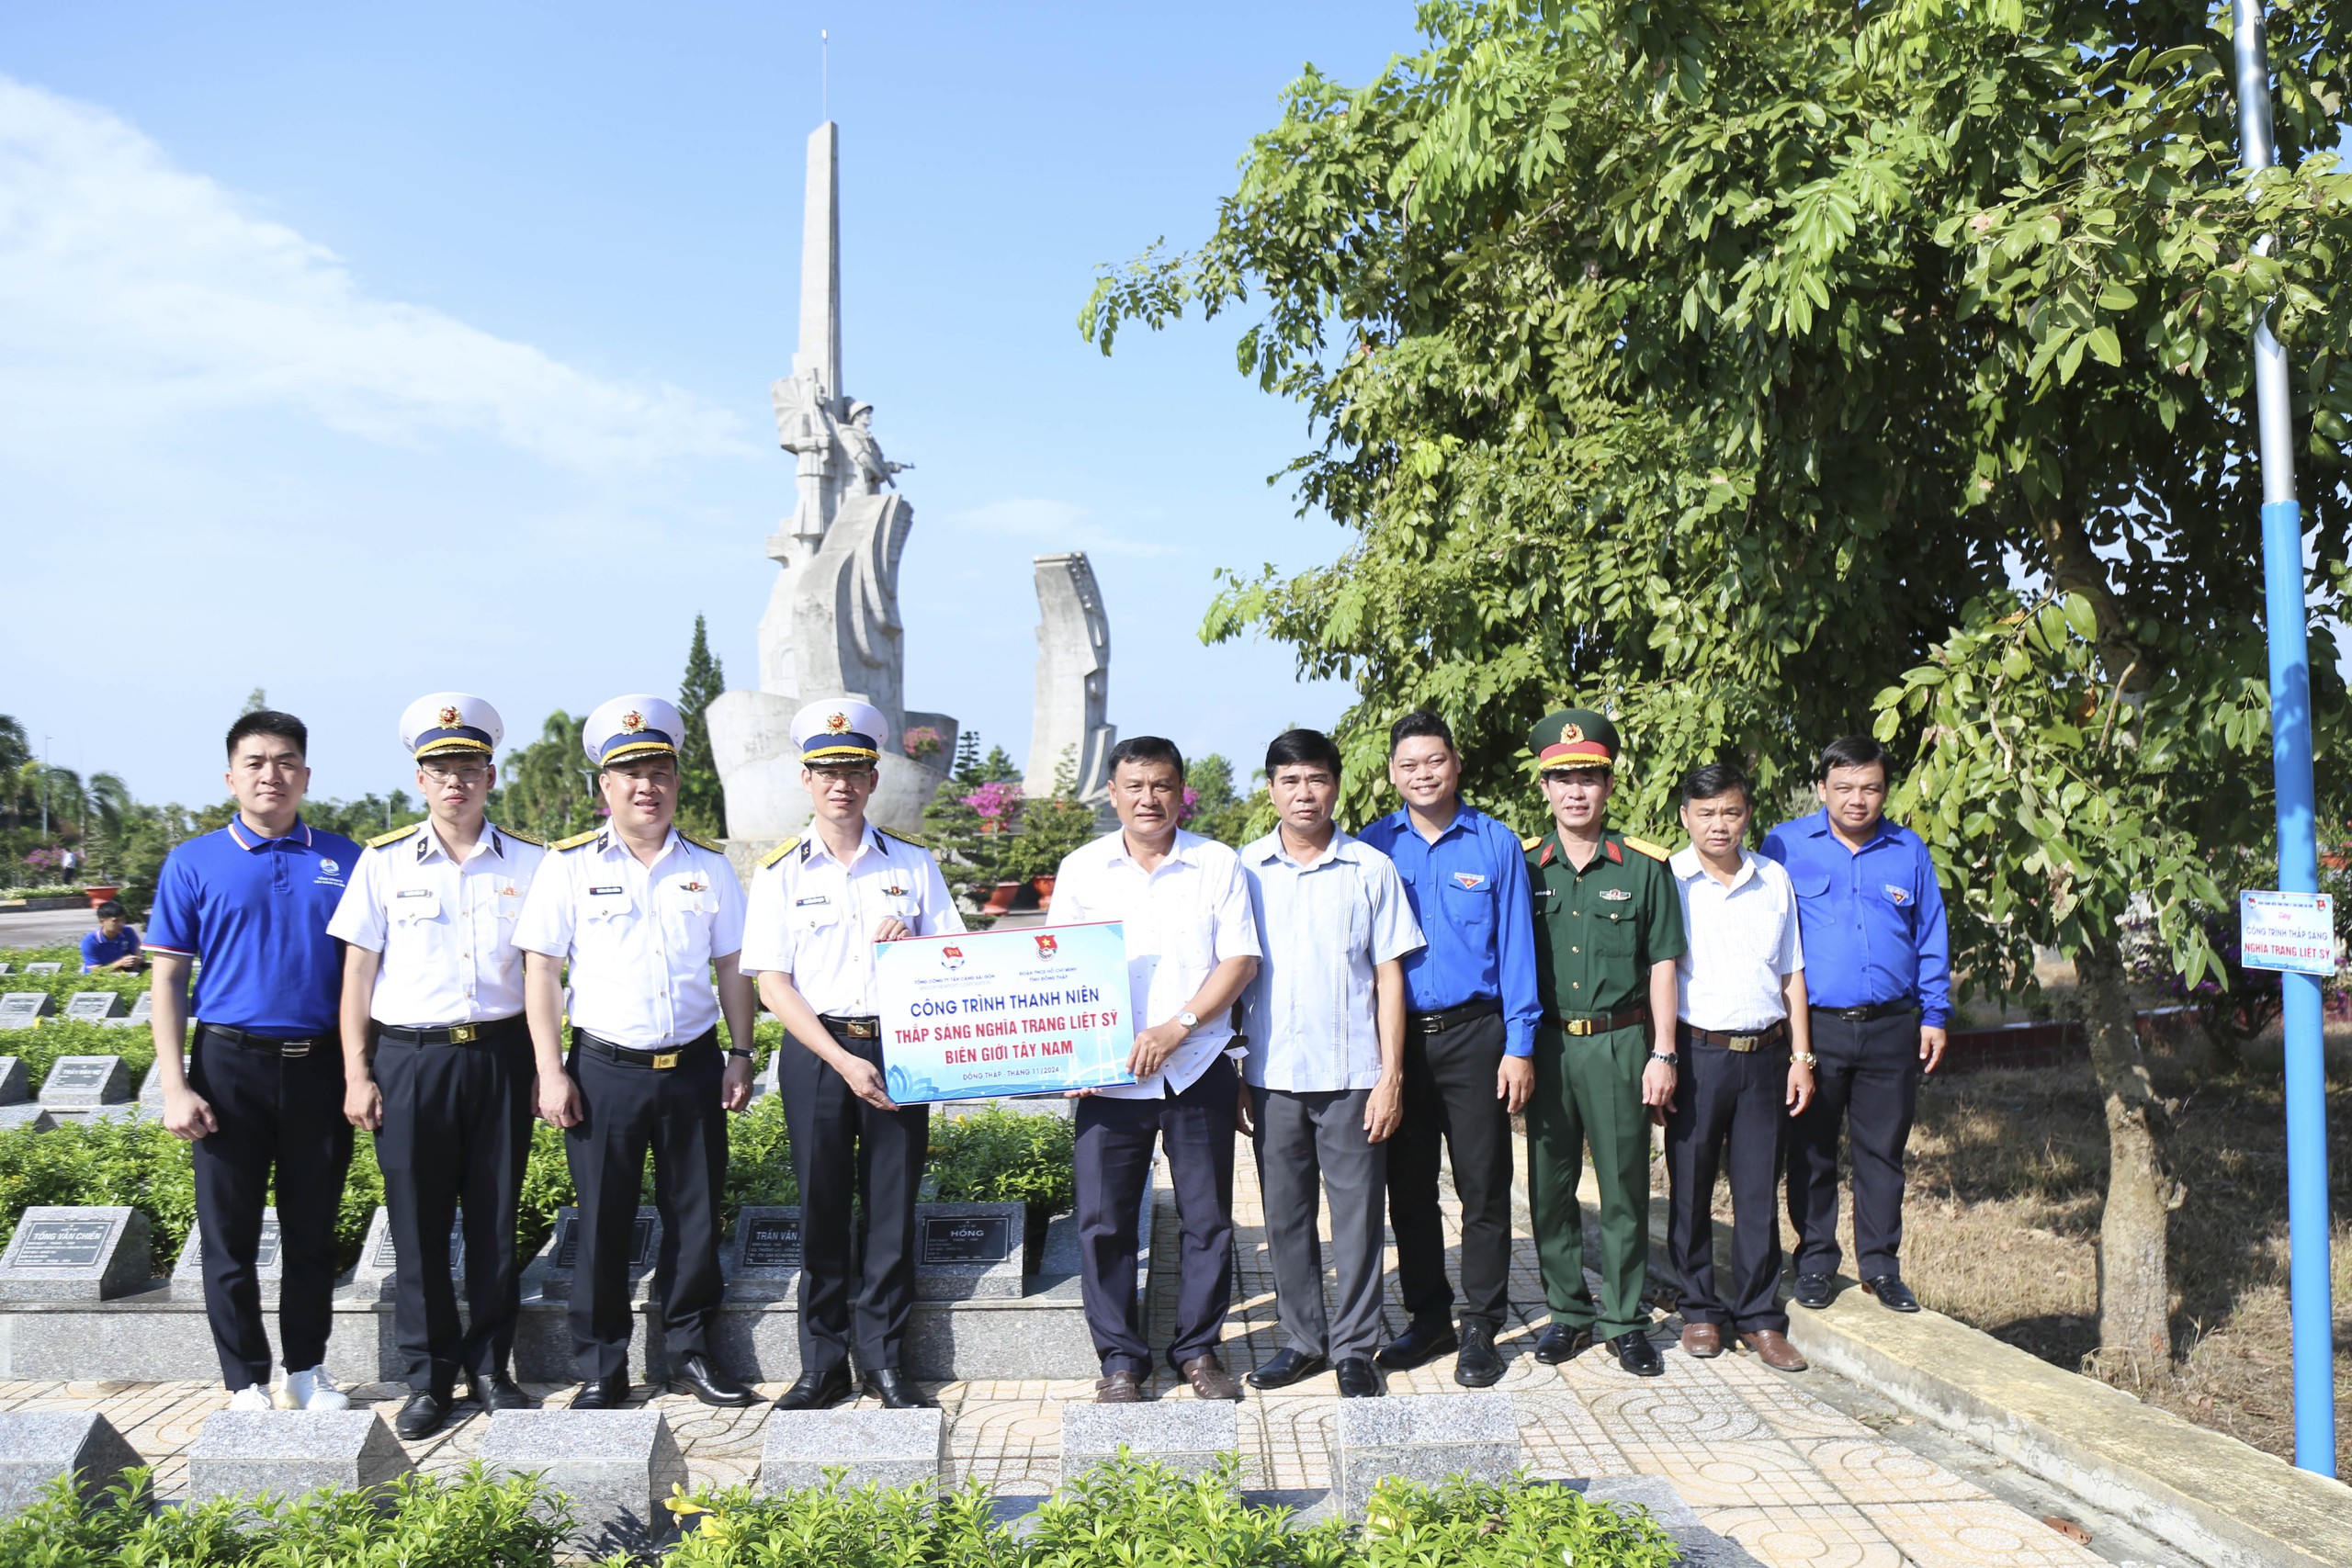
131 291
1056 523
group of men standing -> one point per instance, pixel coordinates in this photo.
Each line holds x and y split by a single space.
1366 1009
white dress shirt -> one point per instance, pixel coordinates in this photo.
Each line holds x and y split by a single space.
1309 1012
446 927
813 917
1744 943
641 938
1180 921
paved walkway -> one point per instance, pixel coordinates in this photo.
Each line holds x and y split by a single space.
1795 1481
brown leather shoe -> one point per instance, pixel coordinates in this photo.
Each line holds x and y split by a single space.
1209 1379
1772 1348
1119 1388
1704 1341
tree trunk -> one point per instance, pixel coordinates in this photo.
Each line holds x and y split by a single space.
2134 1282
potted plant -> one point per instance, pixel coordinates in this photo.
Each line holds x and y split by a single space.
1050 830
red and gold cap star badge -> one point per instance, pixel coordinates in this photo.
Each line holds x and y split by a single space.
449 718
632 721
836 724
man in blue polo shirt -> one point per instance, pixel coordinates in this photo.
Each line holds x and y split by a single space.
1878 973
265 1090
114 945
1471 1012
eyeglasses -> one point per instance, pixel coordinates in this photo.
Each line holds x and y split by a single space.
469 776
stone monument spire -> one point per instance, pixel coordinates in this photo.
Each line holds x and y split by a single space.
820 261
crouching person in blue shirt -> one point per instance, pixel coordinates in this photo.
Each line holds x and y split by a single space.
263 1093
114 945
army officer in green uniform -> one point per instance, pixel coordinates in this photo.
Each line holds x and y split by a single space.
1608 928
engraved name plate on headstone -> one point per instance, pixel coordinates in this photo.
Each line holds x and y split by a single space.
76 1254
187 1274
43 968
22 1010
761 1257
93 1007
378 1263
551 1270
968 1249
80 1083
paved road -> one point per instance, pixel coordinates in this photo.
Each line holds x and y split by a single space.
41 927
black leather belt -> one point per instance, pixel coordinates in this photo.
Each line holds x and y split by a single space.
488 1032
248 1040
1868 1014
1452 1018
1767 1039
659 1061
856 1028
1599 1022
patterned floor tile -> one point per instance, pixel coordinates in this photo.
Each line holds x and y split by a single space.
1985 1534
1868 1471
1733 1474
1810 1537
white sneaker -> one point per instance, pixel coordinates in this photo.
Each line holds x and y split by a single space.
253 1397
314 1389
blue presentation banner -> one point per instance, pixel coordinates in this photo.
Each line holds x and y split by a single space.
986 1013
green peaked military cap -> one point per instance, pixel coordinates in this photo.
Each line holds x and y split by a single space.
1574 738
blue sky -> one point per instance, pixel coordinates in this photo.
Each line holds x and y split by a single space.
357 353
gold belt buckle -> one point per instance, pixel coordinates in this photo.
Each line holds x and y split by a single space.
664 1060
1576 1025
461 1034
860 1029
1742 1041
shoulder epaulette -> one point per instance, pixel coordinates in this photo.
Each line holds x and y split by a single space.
710 844
778 852
1656 852
576 840
1529 845
525 838
915 844
394 836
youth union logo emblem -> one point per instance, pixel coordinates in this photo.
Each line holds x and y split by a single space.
951 958
1897 896
328 868
1046 945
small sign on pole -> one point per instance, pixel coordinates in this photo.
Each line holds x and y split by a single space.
2290 931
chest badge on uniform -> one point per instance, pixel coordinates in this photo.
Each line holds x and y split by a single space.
813 899
1616 895
696 886
951 958
605 892
1897 895
510 891
1046 945
414 893
1469 880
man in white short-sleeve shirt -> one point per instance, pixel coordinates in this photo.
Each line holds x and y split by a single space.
1746 1070
1325 1080
1192 947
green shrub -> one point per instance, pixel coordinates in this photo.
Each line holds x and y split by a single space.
759 1159
841 1527
39 1047
1005 1157
471 1520
91 1163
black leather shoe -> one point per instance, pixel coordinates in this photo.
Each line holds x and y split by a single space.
422 1415
699 1376
1480 1365
1560 1343
1637 1354
1357 1379
894 1389
817 1391
1420 1343
497 1392
1814 1290
602 1394
1286 1368
1891 1293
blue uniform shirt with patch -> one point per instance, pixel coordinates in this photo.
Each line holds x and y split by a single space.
1468 891
254 911
1873 921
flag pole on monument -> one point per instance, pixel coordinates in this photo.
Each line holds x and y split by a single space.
2290 750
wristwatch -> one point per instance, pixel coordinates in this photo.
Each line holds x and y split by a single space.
1190 1020
1668 1058
738 1051
1804 1058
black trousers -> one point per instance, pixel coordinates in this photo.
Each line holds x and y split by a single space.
1115 1145
457 1134
1867 1086
627 1111
1733 1103
1450 1096
283 1115
842 1150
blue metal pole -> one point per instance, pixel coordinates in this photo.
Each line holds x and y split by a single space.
2291 760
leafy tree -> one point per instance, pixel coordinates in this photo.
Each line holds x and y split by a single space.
702 800
1723 363
1217 812
548 788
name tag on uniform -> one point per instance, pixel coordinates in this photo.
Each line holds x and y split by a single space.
813 899
414 893
608 892
1616 895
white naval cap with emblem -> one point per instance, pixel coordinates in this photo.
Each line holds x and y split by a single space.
448 723
840 730
633 727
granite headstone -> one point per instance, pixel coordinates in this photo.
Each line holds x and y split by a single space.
26 1119
551 1272
372 1276
761 1259
270 1267
962 1250
93 1007
286 1453
60 1254
38 1446
84 1083
881 1448
22 1010
51 967
1427 1437
1188 1436
16 1084
615 1467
